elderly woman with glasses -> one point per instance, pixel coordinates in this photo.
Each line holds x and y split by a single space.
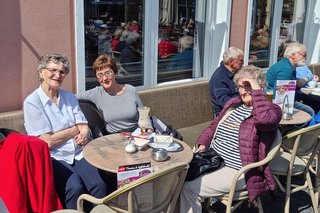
54 115
241 134
118 103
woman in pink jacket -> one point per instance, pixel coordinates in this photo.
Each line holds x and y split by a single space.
241 134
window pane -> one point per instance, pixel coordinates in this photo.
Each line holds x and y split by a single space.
292 23
115 27
260 33
176 46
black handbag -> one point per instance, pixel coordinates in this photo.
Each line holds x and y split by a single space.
164 129
204 162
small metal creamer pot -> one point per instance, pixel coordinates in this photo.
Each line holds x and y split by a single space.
159 154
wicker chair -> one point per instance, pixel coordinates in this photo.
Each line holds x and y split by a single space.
156 192
299 150
234 198
96 122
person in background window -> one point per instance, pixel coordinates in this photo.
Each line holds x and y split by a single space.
184 59
116 38
122 41
221 85
285 69
166 48
189 30
259 44
134 27
54 115
130 51
241 134
118 103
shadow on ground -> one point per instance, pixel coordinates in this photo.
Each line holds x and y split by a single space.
300 202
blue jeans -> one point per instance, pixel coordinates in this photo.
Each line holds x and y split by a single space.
73 180
303 107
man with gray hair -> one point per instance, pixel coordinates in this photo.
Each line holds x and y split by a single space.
130 51
184 59
294 56
221 85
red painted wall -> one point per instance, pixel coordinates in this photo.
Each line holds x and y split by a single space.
238 23
31 29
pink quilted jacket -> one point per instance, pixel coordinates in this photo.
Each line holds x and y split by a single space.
256 135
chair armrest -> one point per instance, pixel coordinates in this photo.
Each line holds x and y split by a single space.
271 154
300 131
89 198
132 185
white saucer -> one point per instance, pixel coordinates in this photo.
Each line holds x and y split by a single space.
172 147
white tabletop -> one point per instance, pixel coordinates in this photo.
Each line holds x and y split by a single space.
299 117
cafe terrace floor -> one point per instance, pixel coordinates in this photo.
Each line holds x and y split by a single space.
300 202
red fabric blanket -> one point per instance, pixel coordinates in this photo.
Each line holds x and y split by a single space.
26 179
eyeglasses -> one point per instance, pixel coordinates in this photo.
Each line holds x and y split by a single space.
245 87
54 71
108 74
304 55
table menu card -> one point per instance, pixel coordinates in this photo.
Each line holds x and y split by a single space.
128 173
144 193
284 94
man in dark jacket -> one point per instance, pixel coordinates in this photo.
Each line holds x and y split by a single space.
130 51
221 85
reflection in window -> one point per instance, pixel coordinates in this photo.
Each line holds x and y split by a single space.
260 33
292 23
177 31
115 28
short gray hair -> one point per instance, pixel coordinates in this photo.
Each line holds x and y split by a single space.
132 37
294 48
54 58
232 53
250 71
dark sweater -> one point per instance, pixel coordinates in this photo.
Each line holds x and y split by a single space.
222 88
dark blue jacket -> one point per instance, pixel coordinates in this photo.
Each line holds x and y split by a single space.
222 88
128 54
183 60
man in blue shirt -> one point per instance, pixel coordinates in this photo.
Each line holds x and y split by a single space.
221 85
285 69
305 73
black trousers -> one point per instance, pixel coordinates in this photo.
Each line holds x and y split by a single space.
311 100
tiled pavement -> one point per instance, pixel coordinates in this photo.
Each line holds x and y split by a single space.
300 202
